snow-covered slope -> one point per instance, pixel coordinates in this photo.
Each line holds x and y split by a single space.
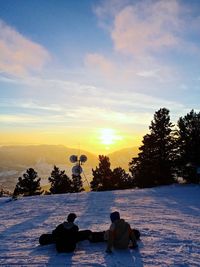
168 218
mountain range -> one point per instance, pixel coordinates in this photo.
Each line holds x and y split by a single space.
15 160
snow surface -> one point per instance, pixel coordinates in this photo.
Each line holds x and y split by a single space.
168 218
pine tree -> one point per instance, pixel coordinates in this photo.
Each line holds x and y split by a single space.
102 175
189 147
154 164
121 179
77 184
60 182
29 185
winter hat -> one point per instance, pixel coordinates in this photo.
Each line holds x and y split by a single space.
114 216
71 217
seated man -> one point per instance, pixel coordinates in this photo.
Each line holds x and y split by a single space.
66 235
120 234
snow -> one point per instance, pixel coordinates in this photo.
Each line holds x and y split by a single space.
168 218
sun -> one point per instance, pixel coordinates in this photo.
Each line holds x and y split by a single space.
108 136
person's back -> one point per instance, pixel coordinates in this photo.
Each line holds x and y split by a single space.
65 235
119 234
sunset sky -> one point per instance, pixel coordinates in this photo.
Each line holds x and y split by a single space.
91 73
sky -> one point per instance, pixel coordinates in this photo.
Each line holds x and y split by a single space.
90 74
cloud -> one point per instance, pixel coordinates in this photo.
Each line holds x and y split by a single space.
130 74
150 41
19 55
100 63
72 94
109 8
148 73
147 27
21 118
81 105
106 10
29 105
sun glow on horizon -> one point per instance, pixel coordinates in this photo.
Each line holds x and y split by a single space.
98 141
108 136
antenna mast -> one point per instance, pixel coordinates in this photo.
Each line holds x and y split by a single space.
77 169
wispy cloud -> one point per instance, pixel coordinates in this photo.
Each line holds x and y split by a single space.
83 105
28 104
16 119
100 63
73 95
106 11
19 55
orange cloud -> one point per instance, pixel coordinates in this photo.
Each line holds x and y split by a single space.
18 54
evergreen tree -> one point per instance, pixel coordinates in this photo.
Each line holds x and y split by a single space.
121 179
189 147
60 182
154 164
29 185
102 175
77 184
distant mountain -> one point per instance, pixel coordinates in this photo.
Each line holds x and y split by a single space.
123 157
15 160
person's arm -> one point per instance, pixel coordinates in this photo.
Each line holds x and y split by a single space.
75 228
56 231
110 241
132 238
110 238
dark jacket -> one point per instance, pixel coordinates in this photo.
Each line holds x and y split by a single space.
66 236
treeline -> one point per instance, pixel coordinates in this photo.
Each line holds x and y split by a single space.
168 154
29 184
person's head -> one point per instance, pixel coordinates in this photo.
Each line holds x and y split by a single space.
71 217
114 216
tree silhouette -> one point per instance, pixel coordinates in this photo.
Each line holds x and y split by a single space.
102 175
29 185
154 164
60 182
106 179
189 147
121 179
77 184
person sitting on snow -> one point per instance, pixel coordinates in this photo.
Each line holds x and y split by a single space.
120 234
66 235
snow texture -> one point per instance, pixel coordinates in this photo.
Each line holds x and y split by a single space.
168 218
